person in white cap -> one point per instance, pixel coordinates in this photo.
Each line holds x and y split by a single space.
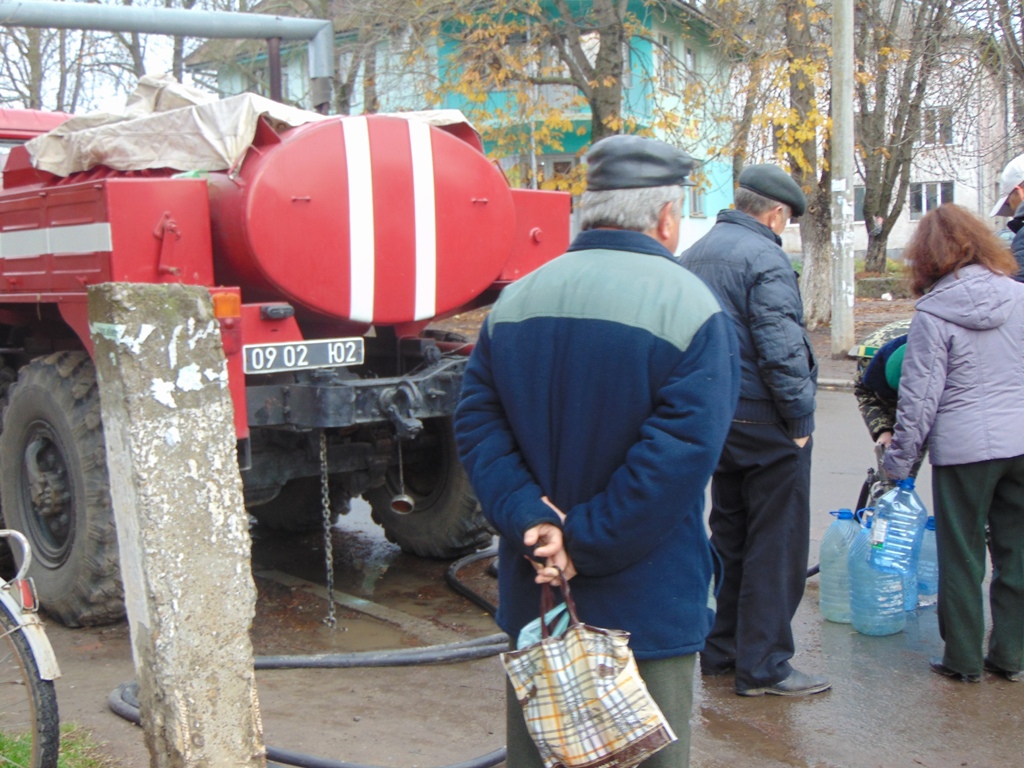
1011 203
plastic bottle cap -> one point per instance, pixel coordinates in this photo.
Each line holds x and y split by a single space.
906 483
930 525
842 514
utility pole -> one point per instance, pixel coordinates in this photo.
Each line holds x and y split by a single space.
842 178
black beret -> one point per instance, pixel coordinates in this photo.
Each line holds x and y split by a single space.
774 183
630 162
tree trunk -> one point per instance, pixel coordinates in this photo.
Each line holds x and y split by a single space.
816 224
816 277
878 245
606 87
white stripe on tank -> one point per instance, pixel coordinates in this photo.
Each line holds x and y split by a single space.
424 206
360 218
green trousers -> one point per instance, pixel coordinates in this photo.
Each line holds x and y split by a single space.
969 498
670 683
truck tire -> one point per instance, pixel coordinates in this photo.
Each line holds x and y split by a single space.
7 566
297 508
54 488
446 521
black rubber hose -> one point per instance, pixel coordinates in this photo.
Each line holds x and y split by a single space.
432 654
452 577
306 761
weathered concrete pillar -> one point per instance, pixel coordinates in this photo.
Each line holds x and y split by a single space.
182 528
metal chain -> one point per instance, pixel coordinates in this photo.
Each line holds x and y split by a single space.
325 501
401 469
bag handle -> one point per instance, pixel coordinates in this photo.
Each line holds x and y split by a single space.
547 602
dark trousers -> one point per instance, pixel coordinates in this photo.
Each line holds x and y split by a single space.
670 683
760 525
967 498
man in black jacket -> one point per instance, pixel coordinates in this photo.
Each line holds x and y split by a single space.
1011 203
760 492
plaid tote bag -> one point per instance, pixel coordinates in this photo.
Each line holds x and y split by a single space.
583 699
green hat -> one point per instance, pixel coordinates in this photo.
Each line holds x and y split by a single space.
631 162
774 183
894 367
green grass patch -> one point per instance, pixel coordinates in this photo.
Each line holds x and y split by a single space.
77 750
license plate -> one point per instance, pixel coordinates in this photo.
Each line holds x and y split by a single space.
299 355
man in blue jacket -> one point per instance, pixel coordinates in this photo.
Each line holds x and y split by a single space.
1011 203
593 410
760 494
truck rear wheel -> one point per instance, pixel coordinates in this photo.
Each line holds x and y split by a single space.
54 488
446 520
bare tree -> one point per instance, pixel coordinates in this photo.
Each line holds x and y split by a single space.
900 46
59 70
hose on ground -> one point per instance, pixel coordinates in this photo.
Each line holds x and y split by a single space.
452 577
124 702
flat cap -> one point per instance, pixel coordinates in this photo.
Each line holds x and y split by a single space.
774 183
631 162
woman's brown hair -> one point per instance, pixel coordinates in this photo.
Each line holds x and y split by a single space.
949 238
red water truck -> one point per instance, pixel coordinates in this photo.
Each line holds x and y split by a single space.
329 251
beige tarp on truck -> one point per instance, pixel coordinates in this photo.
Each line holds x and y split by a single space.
168 125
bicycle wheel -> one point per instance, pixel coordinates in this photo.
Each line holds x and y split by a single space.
29 723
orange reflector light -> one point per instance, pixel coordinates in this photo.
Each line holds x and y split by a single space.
227 305
26 594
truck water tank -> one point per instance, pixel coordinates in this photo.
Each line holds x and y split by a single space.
375 220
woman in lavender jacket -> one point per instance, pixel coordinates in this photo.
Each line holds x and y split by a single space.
962 389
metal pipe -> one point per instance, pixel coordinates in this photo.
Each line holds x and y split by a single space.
177 21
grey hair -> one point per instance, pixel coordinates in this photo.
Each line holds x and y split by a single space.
634 209
752 203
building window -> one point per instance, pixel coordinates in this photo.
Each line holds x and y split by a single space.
690 62
858 203
697 193
667 68
554 171
937 125
929 195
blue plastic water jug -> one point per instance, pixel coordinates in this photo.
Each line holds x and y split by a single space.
833 557
928 566
909 579
876 597
897 529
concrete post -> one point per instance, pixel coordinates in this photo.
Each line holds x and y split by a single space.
182 529
843 195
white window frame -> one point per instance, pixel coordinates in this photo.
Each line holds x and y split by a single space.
926 196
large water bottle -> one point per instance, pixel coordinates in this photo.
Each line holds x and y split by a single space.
833 557
928 566
876 597
897 529
909 579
